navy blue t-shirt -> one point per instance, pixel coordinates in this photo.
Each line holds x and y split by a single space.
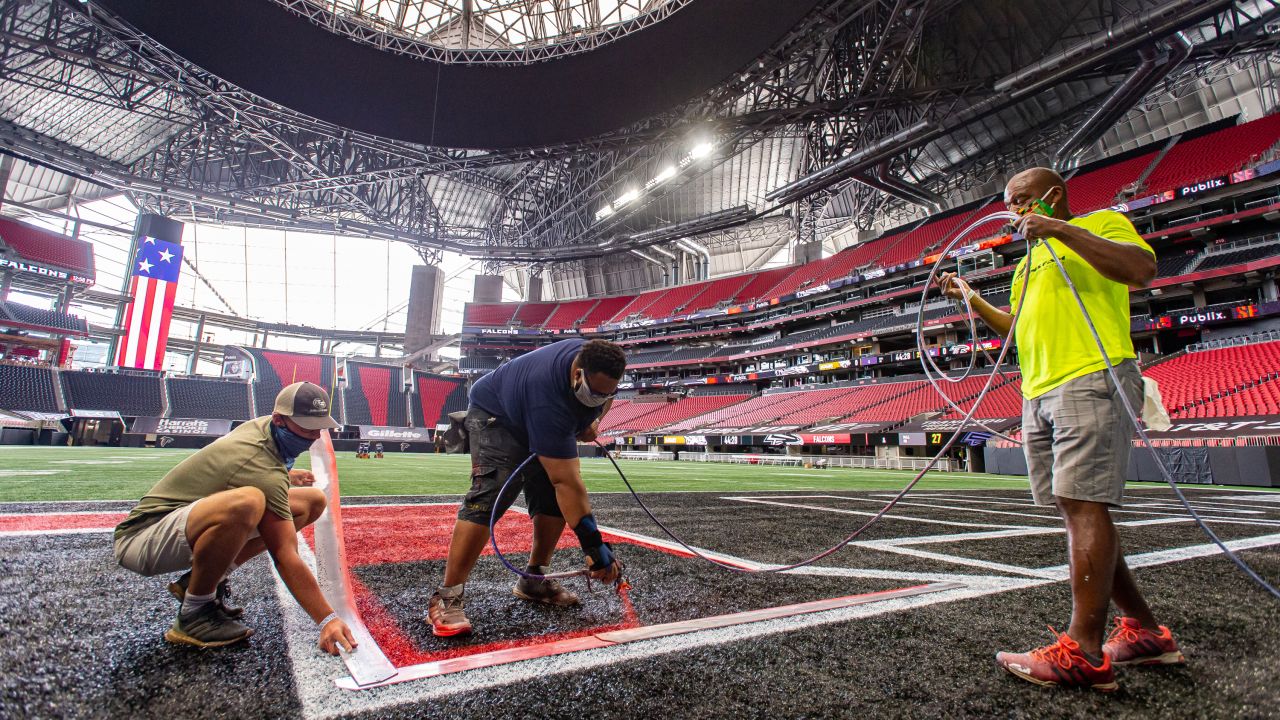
533 398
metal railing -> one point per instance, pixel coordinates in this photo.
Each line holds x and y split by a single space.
1237 341
821 461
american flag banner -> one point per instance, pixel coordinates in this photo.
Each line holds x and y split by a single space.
152 288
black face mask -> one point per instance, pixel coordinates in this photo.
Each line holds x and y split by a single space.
289 443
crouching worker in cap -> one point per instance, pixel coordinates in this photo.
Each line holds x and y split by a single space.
227 503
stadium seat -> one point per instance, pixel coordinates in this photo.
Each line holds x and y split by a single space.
604 310
533 314
567 314
1215 154
488 314
1191 380
208 398
436 397
130 395
1099 188
667 413
274 369
42 246
40 319
374 395
27 387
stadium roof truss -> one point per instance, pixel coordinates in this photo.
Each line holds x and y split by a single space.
943 94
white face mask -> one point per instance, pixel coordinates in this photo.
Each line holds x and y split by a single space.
584 394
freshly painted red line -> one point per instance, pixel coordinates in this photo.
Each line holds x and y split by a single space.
396 645
409 533
53 522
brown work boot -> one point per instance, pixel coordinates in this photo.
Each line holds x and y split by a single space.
550 592
444 613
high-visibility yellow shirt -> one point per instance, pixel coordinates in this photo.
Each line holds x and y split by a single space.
1054 343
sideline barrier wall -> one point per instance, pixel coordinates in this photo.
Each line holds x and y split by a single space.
1251 466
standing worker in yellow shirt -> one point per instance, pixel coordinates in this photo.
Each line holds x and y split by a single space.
1076 432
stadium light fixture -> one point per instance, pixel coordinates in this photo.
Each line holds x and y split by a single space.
626 197
701 150
667 173
604 212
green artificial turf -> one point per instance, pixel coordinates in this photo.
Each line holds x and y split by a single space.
96 473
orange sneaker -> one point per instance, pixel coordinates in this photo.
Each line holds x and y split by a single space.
1131 644
1061 664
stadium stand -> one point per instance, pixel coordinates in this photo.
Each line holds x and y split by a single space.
212 398
673 301
1242 255
1197 378
760 283
489 314
42 246
605 309
375 395
1172 265
1099 188
638 304
567 314
666 413
479 362
436 397
717 292
625 412
533 314
27 387
274 369
1214 154
41 319
1003 401
130 395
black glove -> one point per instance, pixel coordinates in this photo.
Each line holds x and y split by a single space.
593 544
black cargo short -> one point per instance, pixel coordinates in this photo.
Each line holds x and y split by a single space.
495 453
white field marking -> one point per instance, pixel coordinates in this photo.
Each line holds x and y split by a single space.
69 531
89 462
1001 568
928 505
1163 557
23 473
874 574
984 511
1237 508
1050 515
322 699
1261 498
678 548
844 511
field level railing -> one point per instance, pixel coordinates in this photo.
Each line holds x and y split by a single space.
820 461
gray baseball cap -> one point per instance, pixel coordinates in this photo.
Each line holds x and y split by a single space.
306 404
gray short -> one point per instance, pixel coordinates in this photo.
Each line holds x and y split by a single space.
495 454
161 547
1077 437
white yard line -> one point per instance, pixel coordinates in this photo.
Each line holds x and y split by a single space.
843 511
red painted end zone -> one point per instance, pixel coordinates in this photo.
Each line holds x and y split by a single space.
417 533
54 522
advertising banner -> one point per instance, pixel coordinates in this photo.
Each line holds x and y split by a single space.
180 426
396 434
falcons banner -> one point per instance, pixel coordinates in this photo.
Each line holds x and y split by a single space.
152 289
